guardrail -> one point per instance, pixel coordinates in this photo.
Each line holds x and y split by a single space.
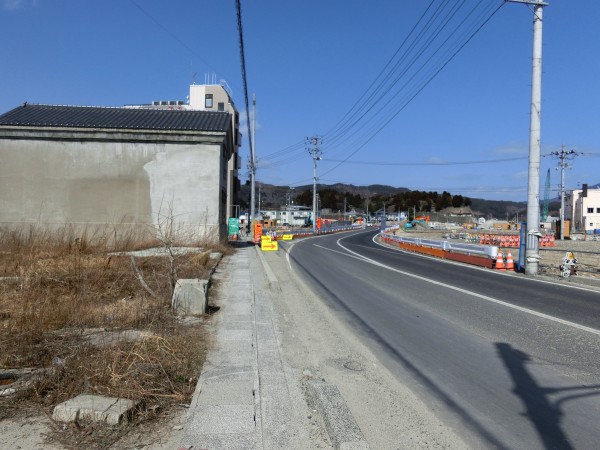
324 230
480 255
449 246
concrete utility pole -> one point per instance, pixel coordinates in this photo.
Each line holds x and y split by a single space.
563 155
252 165
315 153
532 251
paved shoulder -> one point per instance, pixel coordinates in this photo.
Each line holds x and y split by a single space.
244 398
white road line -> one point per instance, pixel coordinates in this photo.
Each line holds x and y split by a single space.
464 291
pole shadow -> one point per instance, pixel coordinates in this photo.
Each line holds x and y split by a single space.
544 414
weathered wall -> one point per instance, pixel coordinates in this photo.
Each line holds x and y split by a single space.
103 182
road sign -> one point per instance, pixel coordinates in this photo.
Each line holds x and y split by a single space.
288 237
257 232
266 238
233 226
269 246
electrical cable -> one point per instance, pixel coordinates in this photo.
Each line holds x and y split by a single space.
419 89
436 68
440 163
173 35
244 79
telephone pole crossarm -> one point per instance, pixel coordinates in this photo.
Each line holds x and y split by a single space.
563 155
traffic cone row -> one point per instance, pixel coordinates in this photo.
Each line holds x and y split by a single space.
499 240
547 241
500 265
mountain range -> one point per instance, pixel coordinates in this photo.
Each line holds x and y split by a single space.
348 195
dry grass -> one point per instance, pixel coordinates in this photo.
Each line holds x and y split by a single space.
66 284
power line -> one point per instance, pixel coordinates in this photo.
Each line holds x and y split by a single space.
359 123
440 163
413 85
419 89
173 35
244 80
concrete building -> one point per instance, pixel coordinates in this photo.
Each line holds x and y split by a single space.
121 166
583 208
211 97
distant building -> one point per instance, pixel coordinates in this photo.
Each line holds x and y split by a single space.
293 215
136 165
582 207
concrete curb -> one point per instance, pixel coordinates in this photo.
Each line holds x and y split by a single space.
273 282
339 422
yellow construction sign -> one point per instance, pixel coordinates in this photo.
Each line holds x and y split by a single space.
288 237
269 246
265 238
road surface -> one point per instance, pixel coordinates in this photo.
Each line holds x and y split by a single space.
502 360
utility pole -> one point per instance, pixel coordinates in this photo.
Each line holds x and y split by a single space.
315 153
563 155
252 165
532 252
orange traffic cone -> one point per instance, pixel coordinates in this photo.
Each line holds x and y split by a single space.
510 264
500 262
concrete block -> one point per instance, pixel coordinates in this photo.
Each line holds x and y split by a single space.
94 408
190 297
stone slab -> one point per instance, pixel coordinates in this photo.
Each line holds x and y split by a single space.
190 297
95 408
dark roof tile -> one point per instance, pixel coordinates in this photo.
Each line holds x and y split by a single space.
119 118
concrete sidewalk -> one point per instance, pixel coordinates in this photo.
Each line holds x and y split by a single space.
243 398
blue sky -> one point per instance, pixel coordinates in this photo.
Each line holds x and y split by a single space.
310 62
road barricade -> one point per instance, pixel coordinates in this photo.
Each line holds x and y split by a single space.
479 255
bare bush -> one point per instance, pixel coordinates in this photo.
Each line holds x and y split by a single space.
64 282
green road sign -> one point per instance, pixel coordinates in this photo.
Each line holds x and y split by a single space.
233 226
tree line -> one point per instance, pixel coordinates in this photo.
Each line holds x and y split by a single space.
420 201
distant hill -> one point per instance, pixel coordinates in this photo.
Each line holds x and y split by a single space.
334 195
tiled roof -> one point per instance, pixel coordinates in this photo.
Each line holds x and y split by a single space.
120 118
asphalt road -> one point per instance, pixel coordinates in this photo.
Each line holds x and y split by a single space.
506 361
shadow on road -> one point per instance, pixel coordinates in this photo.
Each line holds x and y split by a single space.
544 414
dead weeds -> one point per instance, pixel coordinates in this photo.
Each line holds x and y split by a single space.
58 287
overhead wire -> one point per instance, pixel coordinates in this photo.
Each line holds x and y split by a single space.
172 34
418 89
436 163
382 76
407 91
244 78
360 124
385 90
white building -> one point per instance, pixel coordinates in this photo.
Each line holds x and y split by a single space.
583 208
293 215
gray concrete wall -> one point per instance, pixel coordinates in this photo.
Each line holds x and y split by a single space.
109 182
